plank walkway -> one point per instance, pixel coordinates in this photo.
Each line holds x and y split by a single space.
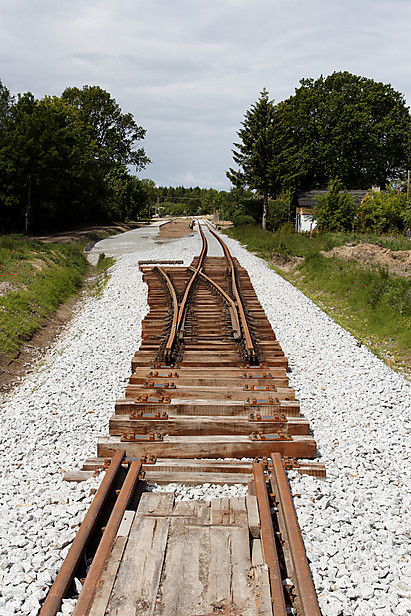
186 558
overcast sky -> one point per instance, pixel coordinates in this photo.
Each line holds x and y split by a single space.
189 69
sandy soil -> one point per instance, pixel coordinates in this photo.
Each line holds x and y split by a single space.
398 262
175 229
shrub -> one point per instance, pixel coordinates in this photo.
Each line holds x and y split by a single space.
335 210
381 212
242 219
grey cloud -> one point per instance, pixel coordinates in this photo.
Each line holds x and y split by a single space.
188 71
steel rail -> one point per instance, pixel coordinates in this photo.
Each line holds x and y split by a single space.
174 301
66 574
179 311
88 591
306 595
268 541
231 305
250 350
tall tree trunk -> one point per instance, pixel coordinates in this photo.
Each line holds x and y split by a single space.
265 207
28 207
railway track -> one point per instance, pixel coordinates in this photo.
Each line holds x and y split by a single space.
208 401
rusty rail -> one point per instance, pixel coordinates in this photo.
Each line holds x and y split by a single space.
268 542
67 572
231 305
306 597
85 599
180 310
174 302
248 341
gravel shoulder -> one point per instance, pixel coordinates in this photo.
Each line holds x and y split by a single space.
354 523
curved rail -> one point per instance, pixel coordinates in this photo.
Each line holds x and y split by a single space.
174 301
249 345
180 311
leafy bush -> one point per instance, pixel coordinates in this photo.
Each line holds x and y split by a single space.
278 211
242 219
381 212
335 210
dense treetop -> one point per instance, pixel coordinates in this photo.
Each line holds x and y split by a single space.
63 160
340 126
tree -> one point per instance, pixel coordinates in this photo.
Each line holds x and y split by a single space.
115 133
256 152
348 127
126 194
6 101
48 163
336 209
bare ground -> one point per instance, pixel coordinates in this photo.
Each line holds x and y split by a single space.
175 229
398 262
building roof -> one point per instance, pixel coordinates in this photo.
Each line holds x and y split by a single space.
306 198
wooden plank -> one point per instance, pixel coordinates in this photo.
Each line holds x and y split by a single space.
194 479
253 516
210 447
187 392
197 425
136 586
182 589
178 406
106 582
261 581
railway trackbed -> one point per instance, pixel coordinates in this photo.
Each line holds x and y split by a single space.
208 401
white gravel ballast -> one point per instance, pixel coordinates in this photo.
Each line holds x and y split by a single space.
355 523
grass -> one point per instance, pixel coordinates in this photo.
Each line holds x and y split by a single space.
100 280
264 243
35 278
372 304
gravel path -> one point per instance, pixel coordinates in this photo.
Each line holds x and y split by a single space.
354 523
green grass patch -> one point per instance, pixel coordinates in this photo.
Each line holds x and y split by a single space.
372 304
100 280
264 243
35 278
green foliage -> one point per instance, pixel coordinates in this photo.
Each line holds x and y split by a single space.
371 303
382 212
256 152
242 219
36 278
349 127
126 195
278 210
63 159
115 133
335 210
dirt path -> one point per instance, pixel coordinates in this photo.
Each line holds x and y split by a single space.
175 229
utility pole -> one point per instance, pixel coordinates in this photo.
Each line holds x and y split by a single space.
408 184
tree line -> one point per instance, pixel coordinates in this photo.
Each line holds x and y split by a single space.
342 127
64 160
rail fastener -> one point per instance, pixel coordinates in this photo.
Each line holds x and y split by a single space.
259 387
262 402
277 417
148 416
276 436
141 438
